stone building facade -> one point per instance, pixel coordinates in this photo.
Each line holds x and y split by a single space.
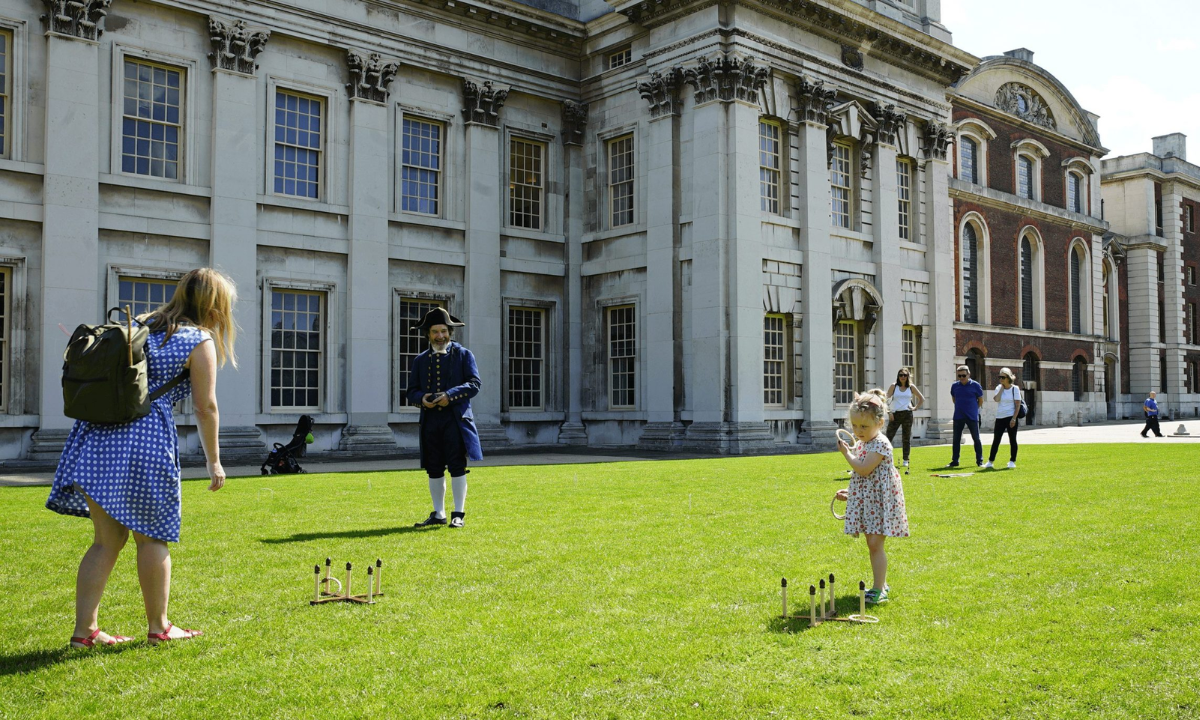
1152 202
1035 276
670 225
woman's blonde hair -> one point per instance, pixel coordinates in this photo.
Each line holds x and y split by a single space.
204 297
872 402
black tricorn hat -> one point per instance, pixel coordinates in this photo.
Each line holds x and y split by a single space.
437 316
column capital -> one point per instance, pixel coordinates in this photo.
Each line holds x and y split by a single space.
889 122
370 76
574 120
481 105
937 140
662 92
726 78
815 101
81 19
235 46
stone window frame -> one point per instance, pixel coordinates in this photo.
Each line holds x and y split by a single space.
1080 245
605 307
783 140
1109 272
14 117
1083 171
189 67
853 190
551 161
787 376
981 133
1191 274
603 143
329 147
857 338
625 53
1037 246
12 393
399 295
550 390
445 173
914 367
1035 152
327 395
909 172
983 235
1189 218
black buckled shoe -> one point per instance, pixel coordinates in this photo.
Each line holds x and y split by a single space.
456 519
433 519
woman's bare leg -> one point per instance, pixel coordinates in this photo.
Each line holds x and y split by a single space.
94 569
154 574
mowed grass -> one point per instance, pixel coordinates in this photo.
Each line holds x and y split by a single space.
1064 589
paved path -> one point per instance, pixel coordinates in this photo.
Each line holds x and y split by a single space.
1113 432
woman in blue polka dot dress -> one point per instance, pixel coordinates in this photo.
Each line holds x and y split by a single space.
125 477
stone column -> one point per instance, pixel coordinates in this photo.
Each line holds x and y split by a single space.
1173 284
70 259
368 351
939 230
663 364
886 226
1141 272
814 102
484 311
234 221
574 116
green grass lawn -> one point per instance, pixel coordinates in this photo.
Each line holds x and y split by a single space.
1064 589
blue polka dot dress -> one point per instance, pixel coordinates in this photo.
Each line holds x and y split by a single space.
132 469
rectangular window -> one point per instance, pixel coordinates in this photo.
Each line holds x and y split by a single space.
152 120
1191 274
768 165
421 167
968 170
411 344
297 322
840 185
774 360
845 369
298 147
622 356
619 58
1024 177
1189 216
910 352
1162 374
1073 198
526 357
6 63
525 183
144 295
5 332
1192 324
904 197
620 180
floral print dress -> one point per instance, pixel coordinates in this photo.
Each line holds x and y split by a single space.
876 502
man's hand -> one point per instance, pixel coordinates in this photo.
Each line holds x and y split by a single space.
442 399
429 400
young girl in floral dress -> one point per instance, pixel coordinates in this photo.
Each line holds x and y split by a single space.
875 498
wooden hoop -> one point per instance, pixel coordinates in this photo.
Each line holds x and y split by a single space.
864 618
834 512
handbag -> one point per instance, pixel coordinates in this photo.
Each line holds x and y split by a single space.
1023 410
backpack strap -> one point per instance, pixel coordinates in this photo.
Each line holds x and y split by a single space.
171 384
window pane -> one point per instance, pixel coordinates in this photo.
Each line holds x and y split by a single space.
152 119
970 274
421 164
840 187
410 343
904 197
845 373
769 165
298 145
296 344
622 356
525 184
620 180
525 363
774 363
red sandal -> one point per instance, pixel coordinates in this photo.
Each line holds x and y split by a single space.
165 635
81 643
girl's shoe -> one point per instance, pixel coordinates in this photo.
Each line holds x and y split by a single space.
165 635
877 597
81 643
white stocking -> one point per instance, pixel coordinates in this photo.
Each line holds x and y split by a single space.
458 485
437 491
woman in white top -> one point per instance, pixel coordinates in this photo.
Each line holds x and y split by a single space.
903 398
1008 398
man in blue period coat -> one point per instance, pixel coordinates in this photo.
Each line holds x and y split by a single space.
443 379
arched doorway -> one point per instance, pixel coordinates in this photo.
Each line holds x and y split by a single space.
975 364
1031 381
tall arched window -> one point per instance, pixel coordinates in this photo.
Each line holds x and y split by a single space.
969 170
1025 176
1078 378
1030 370
1107 326
970 274
1076 292
1026 283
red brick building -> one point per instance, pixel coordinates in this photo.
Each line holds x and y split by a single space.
1036 283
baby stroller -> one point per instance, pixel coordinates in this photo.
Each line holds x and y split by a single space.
282 460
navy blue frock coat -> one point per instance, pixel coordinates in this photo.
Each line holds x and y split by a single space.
461 385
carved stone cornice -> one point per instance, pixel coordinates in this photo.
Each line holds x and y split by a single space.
370 76
890 122
662 92
235 46
82 19
482 104
1024 102
937 140
815 101
726 79
574 120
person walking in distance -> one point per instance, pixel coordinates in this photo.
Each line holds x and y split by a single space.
1151 408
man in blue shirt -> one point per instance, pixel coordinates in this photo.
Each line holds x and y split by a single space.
968 400
1151 408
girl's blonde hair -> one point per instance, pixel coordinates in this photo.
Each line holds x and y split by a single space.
205 298
872 403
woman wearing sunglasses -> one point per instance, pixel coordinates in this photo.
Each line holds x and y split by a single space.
903 399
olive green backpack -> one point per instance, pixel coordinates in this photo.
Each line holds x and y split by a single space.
105 372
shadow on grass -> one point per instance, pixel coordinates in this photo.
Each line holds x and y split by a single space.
797 622
26 662
349 534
